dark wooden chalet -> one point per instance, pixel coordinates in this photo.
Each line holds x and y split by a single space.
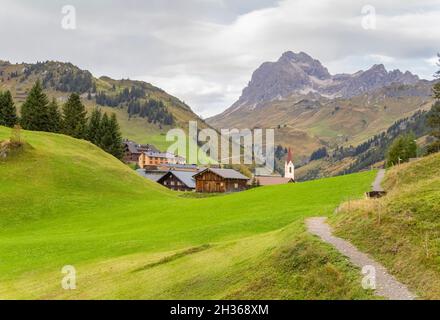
213 180
178 180
133 150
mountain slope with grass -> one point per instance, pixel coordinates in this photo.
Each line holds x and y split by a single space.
65 202
145 112
401 230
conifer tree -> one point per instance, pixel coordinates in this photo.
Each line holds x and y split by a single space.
402 149
111 138
116 148
436 88
94 127
34 111
433 119
74 117
54 116
8 113
105 135
434 122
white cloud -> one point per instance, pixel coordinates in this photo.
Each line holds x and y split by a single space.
204 52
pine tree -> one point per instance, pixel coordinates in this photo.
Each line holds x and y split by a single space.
105 135
434 122
116 148
8 113
402 149
34 111
111 138
54 116
93 133
74 117
436 88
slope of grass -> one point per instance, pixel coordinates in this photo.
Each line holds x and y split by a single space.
402 229
65 202
285 264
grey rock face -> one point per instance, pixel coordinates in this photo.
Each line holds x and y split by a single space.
298 73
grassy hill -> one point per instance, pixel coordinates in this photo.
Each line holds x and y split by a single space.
65 202
60 79
402 230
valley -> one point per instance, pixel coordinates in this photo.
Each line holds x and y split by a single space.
336 111
131 238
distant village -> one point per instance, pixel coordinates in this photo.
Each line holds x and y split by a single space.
173 172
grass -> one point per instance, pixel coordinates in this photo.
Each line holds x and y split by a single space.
66 202
402 230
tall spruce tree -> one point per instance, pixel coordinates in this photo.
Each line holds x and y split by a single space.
433 118
74 117
434 122
402 149
54 116
111 138
105 136
34 111
436 88
8 113
93 133
116 148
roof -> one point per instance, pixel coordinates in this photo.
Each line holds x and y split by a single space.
167 155
156 154
272 180
289 156
186 177
226 173
134 147
153 176
175 167
131 147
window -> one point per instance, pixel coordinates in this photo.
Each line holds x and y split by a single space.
236 185
290 169
172 183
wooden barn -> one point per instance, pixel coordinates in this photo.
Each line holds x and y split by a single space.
213 180
178 180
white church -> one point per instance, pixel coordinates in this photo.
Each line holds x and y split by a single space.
289 174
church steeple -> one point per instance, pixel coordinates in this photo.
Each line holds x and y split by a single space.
289 168
289 156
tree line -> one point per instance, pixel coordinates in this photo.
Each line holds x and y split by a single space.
137 104
40 114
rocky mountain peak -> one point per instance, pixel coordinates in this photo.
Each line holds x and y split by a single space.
310 66
300 74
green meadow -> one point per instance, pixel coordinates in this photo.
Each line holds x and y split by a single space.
65 202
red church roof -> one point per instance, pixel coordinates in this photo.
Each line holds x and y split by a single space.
289 156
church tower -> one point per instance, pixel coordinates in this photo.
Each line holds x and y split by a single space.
289 168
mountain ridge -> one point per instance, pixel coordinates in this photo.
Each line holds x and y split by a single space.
128 99
309 108
299 73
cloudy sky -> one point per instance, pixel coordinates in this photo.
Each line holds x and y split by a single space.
204 51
